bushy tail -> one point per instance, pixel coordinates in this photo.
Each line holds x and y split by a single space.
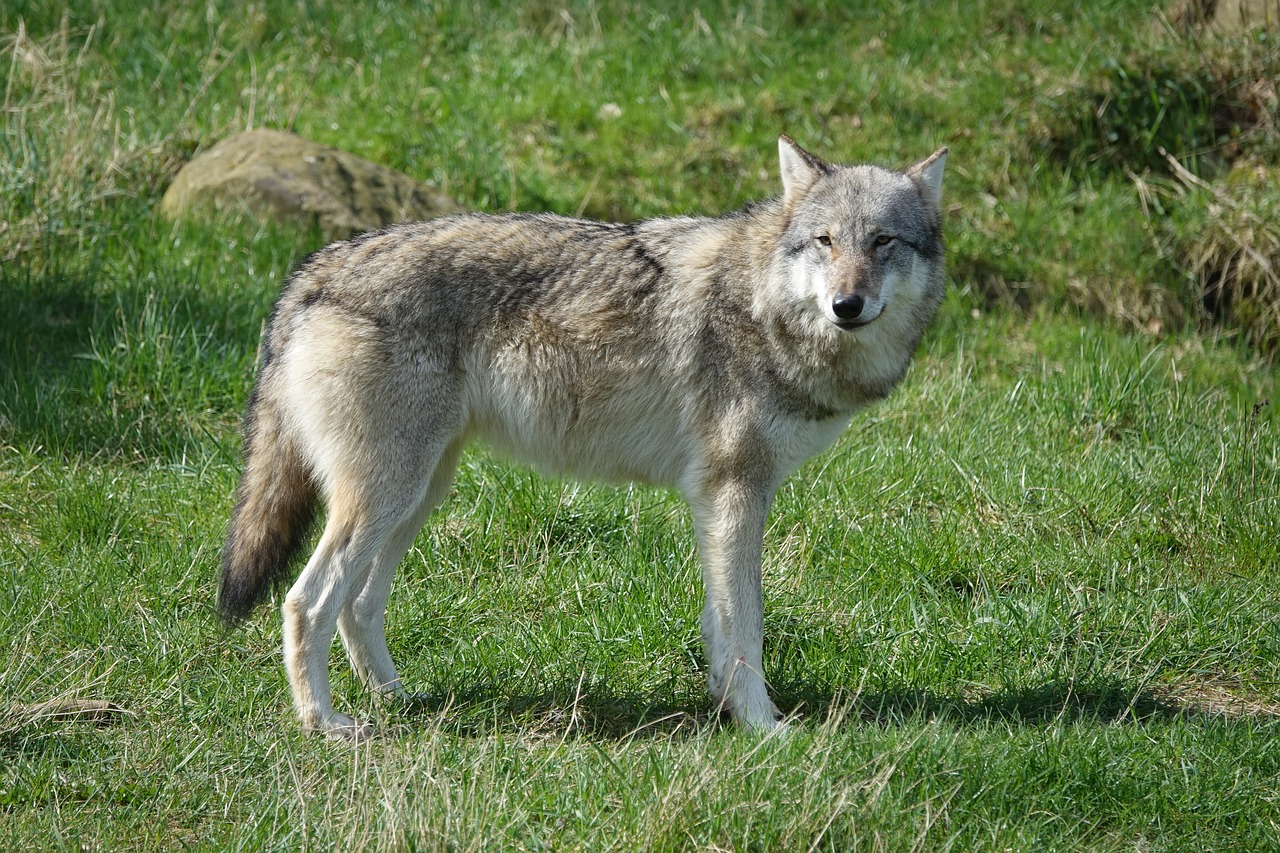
275 506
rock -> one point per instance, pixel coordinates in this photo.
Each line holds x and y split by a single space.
1224 17
1233 17
271 174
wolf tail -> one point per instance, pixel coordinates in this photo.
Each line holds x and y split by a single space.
275 506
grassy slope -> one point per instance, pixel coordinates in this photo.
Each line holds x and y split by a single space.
1030 602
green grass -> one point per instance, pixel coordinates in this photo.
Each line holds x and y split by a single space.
1028 603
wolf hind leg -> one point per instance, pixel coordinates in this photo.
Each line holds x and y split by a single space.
362 617
372 510
310 612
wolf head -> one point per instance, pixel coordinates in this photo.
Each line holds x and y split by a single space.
861 240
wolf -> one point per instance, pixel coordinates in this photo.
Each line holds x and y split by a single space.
708 355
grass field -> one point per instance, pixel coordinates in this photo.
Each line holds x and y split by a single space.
1029 603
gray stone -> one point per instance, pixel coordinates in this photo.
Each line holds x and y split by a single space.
278 176
1224 17
1232 17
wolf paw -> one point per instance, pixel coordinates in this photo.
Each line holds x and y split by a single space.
762 717
358 733
343 728
752 709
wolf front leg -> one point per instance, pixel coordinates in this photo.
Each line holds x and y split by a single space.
730 518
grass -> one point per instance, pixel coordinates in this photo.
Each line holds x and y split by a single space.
1028 603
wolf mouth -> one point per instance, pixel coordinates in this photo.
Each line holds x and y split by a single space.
852 325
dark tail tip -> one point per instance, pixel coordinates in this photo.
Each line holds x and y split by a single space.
258 561
273 516
237 596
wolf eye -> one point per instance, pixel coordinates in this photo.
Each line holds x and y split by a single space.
884 240
823 239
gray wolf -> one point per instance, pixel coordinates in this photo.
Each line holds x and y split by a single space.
709 355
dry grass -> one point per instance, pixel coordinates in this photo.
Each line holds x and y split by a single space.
1231 249
70 150
1223 238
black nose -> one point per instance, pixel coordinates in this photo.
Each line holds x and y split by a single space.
848 306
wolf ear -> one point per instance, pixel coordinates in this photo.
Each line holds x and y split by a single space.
928 175
799 169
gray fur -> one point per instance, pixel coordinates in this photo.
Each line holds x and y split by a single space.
711 355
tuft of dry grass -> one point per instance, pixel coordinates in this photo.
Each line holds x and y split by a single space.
64 152
69 150
1232 249
1224 237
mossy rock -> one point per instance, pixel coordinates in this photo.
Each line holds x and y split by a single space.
279 176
